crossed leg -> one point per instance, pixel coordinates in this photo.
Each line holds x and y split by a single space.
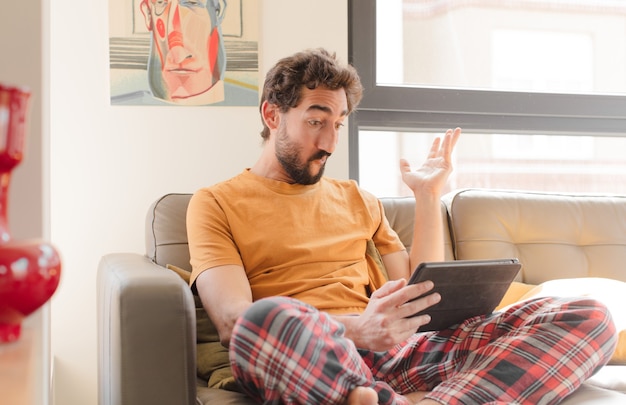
284 351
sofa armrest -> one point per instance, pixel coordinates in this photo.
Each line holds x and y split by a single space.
146 334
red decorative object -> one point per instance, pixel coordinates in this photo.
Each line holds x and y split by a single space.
29 270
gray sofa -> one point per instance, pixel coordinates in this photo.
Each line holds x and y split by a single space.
147 318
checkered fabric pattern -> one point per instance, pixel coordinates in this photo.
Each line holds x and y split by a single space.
284 351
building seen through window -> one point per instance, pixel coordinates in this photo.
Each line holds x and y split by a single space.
567 47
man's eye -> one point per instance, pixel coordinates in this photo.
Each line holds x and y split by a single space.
339 125
315 122
159 6
193 3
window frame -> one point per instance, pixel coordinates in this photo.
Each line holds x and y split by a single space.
415 108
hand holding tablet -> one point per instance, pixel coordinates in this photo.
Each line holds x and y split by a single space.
467 287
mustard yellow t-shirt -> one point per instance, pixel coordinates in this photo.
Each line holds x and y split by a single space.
306 242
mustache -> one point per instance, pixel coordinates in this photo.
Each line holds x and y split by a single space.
320 154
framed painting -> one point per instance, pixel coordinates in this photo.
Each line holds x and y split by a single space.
183 52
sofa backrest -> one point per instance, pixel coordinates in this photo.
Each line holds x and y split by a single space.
553 235
400 212
166 230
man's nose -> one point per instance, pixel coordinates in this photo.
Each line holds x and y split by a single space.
178 54
328 139
175 40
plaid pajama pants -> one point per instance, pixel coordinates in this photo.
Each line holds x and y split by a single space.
284 351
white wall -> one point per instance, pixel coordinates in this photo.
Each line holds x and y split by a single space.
109 163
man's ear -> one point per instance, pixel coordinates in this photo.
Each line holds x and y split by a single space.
271 115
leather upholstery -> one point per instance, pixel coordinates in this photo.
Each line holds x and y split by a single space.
166 231
553 235
146 318
146 333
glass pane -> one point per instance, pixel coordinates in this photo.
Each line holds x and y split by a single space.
527 162
565 46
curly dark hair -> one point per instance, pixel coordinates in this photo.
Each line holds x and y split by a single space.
311 68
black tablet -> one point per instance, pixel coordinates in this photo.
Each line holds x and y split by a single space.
467 287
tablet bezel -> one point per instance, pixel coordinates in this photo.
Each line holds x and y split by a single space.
477 291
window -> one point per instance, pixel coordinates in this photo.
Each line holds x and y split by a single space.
539 88
531 162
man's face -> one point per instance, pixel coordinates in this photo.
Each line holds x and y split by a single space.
187 51
308 134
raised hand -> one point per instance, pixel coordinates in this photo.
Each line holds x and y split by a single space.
432 176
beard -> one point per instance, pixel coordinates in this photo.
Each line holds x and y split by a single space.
288 155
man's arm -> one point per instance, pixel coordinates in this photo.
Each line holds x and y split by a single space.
427 184
427 245
388 319
225 294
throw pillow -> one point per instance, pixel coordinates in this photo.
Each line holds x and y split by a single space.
608 291
514 294
212 360
376 270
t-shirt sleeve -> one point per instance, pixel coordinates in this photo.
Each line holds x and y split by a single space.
385 238
210 239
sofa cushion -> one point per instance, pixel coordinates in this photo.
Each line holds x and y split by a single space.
609 377
553 235
514 294
213 365
166 231
212 396
610 292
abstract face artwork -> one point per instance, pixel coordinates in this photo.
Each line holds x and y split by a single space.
187 56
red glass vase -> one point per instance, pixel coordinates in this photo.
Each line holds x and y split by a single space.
30 270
